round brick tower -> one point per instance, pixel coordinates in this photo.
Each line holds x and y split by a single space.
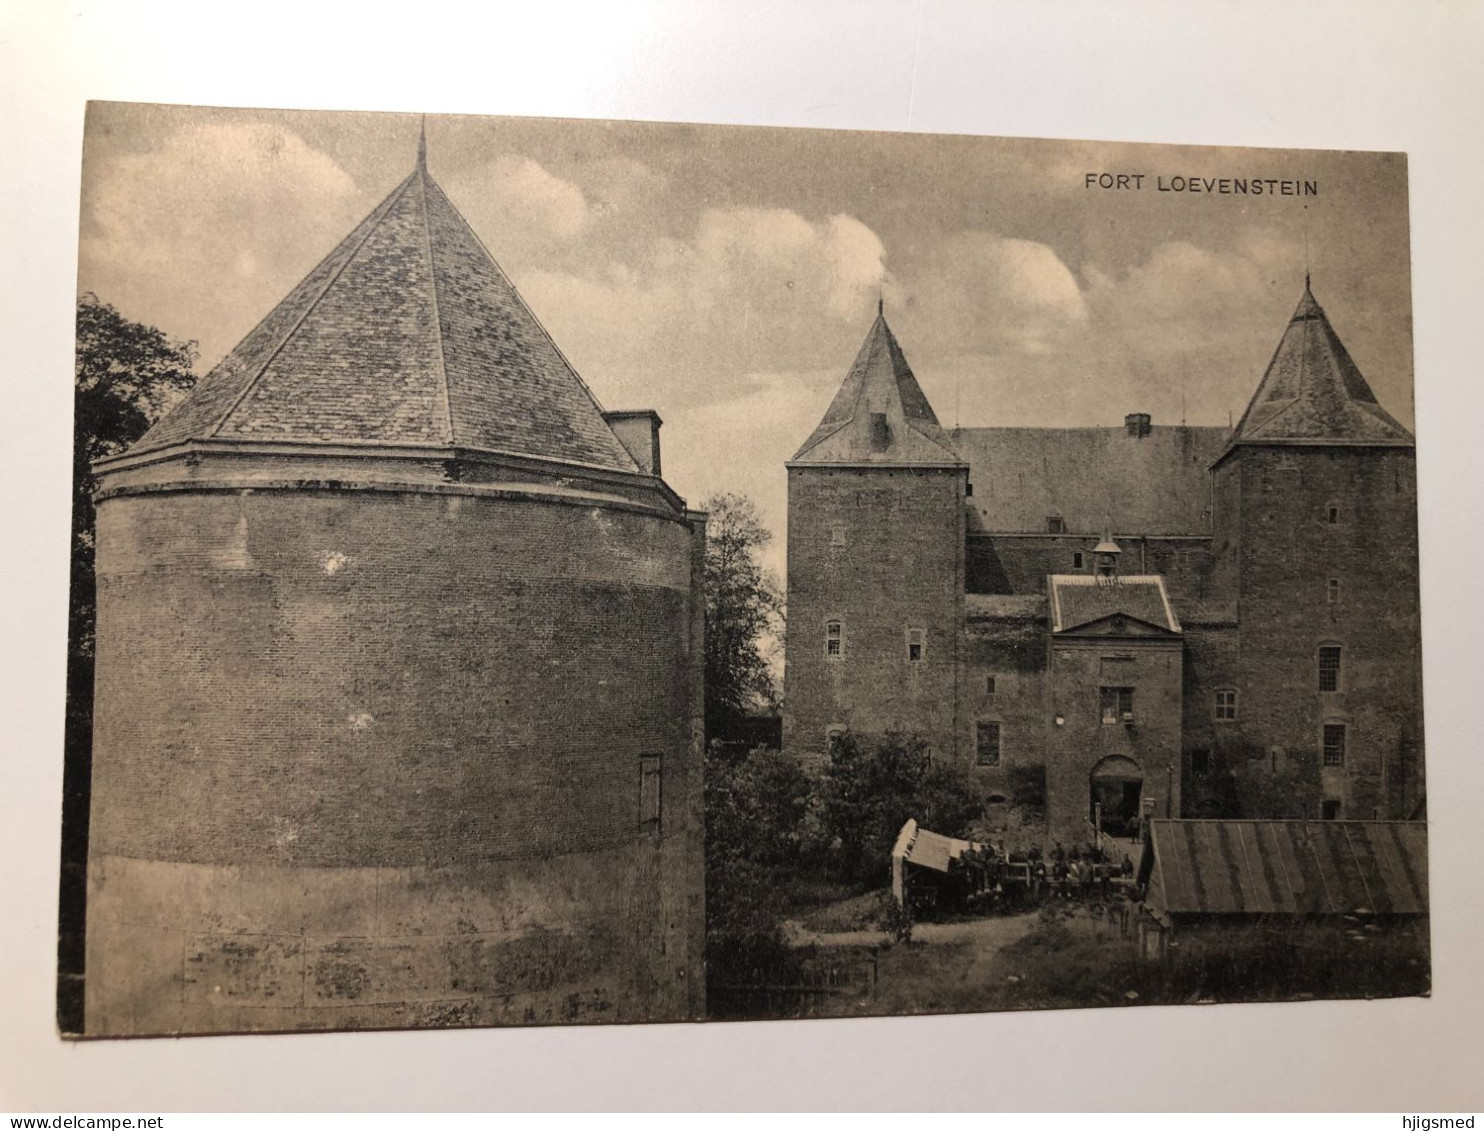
398 700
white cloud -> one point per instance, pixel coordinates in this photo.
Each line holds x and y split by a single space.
698 318
203 231
526 193
990 293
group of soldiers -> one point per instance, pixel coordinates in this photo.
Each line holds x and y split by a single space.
1078 873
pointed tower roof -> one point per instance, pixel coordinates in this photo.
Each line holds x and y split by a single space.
880 414
1312 393
407 334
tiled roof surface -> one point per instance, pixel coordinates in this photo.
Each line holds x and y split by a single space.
1293 867
1312 390
407 333
1092 479
1080 599
879 382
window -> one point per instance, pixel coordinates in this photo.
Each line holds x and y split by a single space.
1226 706
1329 667
649 795
989 685
834 639
1200 763
1332 591
833 738
1055 524
1117 704
1332 514
1077 560
1334 744
837 536
987 744
1329 810
914 645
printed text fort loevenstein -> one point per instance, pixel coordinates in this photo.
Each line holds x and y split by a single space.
1215 186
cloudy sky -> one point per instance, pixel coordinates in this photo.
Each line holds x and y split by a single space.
726 276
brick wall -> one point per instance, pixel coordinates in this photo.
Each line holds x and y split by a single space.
343 679
1005 683
1276 500
898 565
1080 666
1020 563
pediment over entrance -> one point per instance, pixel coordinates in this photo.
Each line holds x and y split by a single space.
1118 624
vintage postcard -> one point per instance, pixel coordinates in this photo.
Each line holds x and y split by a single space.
1017 609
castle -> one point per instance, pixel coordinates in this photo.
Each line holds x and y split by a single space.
398 704
1101 624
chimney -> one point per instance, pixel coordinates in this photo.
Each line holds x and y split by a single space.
1138 424
638 430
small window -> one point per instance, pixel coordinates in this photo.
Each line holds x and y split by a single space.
1226 706
1334 744
837 536
834 639
1329 810
1077 560
1200 763
1117 704
1055 524
1332 514
987 744
1332 591
914 645
649 795
1329 667
989 685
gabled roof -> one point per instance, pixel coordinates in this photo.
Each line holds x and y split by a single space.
1079 600
1157 483
879 384
1313 392
408 333
1293 867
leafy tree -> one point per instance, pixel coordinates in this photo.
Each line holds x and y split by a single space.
757 808
872 787
744 606
127 375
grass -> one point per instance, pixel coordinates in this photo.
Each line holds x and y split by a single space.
1073 958
863 912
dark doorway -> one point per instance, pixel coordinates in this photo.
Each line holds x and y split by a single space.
1115 790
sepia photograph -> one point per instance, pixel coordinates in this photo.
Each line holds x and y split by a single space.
535 571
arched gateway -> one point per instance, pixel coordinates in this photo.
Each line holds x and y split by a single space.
1114 789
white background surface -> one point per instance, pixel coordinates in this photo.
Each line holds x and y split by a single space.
1356 75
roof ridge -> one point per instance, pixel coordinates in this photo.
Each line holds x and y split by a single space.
931 438
422 175
380 214
519 298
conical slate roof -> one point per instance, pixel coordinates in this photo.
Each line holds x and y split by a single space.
409 334
1313 393
880 384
